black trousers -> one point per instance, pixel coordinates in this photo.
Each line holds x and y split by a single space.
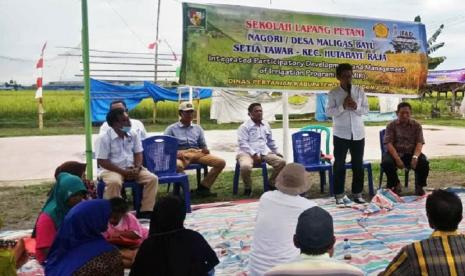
356 148
389 167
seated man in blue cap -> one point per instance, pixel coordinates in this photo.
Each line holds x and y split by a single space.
314 236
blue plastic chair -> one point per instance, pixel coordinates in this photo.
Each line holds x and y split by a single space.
383 151
137 192
348 166
306 146
237 172
160 159
320 129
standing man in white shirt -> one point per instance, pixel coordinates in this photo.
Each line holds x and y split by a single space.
346 105
256 144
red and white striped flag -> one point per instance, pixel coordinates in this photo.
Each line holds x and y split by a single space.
40 67
153 45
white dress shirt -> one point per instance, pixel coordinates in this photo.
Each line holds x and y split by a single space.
256 139
347 124
119 151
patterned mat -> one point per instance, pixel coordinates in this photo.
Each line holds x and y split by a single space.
375 239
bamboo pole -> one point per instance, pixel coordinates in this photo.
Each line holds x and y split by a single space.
87 110
41 113
198 111
154 115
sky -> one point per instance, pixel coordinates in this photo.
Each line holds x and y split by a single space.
122 25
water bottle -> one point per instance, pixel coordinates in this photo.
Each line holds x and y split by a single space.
347 255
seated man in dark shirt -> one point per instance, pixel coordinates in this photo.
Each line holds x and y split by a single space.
404 142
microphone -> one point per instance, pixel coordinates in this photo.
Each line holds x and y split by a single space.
349 87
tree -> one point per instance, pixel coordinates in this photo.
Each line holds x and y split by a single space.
433 62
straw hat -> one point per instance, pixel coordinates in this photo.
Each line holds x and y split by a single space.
292 179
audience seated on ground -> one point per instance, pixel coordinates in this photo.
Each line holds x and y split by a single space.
124 230
171 249
276 220
67 192
12 255
79 247
314 236
78 169
444 252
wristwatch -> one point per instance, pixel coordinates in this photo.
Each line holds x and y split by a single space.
414 157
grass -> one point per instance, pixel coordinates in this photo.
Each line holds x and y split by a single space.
29 199
64 114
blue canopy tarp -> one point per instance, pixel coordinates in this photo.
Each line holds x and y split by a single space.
159 93
103 93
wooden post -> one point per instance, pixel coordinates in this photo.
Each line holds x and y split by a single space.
41 113
198 111
154 115
155 76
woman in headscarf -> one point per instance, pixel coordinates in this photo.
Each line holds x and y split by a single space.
67 192
79 170
79 247
171 249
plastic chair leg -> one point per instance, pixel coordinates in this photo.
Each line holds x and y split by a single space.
370 180
176 188
331 182
406 177
266 183
237 172
322 181
100 189
137 192
380 176
187 195
198 173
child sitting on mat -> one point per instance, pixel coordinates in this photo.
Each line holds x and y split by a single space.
124 230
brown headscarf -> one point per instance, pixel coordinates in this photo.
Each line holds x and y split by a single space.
72 167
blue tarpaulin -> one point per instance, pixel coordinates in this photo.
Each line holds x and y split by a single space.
159 93
321 100
103 93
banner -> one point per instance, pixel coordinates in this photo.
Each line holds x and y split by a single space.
246 47
446 76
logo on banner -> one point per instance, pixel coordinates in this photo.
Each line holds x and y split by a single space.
381 30
197 18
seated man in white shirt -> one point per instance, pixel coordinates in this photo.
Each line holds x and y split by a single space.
256 144
276 220
314 236
136 125
120 159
